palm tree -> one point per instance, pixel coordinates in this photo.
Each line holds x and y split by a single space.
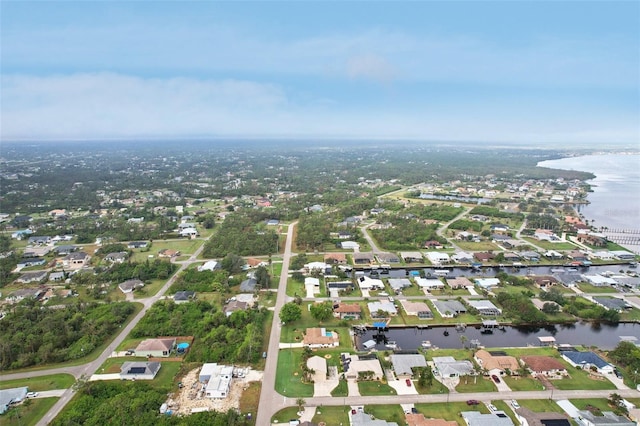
463 340
300 403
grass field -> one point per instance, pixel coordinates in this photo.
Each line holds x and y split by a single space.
164 378
540 405
288 379
375 388
600 403
475 384
41 383
28 413
522 383
450 411
390 413
284 415
580 380
250 399
588 288
341 390
332 415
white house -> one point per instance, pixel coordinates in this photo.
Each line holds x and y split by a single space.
462 257
486 283
189 232
217 378
437 258
210 265
349 245
367 283
430 283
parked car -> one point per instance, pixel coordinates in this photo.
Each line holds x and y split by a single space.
515 404
492 407
353 411
32 394
617 373
473 402
408 382
495 378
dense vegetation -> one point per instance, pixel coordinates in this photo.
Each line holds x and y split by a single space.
239 234
133 404
236 338
519 307
201 281
31 335
627 355
405 234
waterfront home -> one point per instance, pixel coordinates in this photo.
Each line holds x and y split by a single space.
496 362
462 257
419 309
411 256
543 281
364 363
545 366
598 280
430 284
449 308
486 283
587 360
612 303
387 258
320 338
459 282
367 283
448 366
437 258
347 311
403 364
485 307
362 258
382 309
398 284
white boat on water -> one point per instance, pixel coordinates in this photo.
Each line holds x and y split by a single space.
391 344
425 344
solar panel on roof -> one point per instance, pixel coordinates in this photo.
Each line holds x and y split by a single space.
137 370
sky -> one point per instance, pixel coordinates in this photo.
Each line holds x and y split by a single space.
539 72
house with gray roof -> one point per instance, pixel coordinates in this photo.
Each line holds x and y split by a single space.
496 418
116 257
32 277
388 258
398 284
384 308
612 303
403 364
130 285
449 308
139 370
11 396
363 419
608 418
448 366
568 279
485 307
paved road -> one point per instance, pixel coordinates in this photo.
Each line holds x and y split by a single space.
90 368
269 399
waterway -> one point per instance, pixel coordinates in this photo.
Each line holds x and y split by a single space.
604 336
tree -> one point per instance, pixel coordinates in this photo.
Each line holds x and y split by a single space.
322 311
300 402
290 312
232 263
550 308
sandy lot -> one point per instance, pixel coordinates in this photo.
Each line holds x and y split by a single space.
191 397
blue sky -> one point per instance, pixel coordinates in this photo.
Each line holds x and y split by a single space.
506 71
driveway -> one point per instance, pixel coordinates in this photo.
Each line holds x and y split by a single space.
352 385
401 387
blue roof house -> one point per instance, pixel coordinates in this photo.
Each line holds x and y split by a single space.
586 360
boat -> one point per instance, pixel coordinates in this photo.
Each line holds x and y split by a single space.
391 344
426 344
486 331
446 332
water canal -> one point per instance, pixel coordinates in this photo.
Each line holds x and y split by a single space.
604 336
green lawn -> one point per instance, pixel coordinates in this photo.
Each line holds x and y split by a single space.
332 415
540 405
588 288
449 411
475 384
288 379
600 403
435 388
185 246
630 315
375 388
522 383
284 415
580 380
164 378
341 390
27 413
41 383
149 289
390 413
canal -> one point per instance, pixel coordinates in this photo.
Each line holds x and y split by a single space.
604 336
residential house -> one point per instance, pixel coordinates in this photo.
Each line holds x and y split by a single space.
11 396
542 419
362 258
57 276
387 258
248 285
211 265
623 255
500 228
382 309
546 366
485 307
39 240
139 370
137 244
361 363
320 267
363 419
351 245
486 283
437 258
448 366
495 418
25 293
411 256
399 284
76 260
544 281
367 283
320 338
403 364
184 296
419 309
568 279
33 261
587 360
130 285
430 284
496 362
459 282
449 308
64 250
117 257
432 244
217 378
599 280
21 234
347 311
32 277
545 235
169 253
608 418
233 306
335 258
462 257
157 348
530 256
188 232
612 303
553 255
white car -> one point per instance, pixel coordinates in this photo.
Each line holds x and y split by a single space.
32 394
492 407
515 404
